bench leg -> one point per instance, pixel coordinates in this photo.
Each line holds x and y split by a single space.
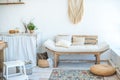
97 59
56 59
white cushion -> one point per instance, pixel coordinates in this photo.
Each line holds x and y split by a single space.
63 37
50 44
63 43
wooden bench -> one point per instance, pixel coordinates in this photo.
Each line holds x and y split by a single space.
89 40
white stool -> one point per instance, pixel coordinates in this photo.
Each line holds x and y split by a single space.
22 71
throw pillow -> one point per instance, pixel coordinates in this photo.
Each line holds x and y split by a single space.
78 41
63 37
90 42
63 43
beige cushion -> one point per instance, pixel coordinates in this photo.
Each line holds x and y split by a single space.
78 41
102 70
63 43
90 42
89 39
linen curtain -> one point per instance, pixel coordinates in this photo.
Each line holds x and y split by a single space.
21 47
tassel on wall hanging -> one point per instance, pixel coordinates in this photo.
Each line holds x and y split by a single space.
75 10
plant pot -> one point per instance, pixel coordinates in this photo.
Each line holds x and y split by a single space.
31 31
28 68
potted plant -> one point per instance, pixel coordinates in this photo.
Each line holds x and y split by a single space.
31 27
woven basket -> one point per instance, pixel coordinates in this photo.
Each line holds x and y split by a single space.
43 63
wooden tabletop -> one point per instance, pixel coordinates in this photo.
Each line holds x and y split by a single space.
3 45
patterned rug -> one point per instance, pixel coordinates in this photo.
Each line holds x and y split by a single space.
68 74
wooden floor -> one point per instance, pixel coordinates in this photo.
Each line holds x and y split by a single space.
36 75
114 77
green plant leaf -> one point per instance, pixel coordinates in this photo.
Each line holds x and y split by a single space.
31 26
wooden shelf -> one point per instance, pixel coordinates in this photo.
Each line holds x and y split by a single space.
8 3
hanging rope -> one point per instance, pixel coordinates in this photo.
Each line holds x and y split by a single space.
75 10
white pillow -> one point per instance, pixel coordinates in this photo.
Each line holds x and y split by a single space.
63 43
63 37
78 41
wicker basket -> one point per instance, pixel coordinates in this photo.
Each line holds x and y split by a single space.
43 63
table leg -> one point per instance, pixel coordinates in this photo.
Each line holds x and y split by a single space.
97 58
56 59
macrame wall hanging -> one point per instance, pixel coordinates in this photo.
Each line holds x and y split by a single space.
75 10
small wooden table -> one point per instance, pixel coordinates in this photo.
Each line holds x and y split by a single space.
2 46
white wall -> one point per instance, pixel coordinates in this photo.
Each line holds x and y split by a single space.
101 17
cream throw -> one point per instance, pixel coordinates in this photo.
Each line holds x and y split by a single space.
75 10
